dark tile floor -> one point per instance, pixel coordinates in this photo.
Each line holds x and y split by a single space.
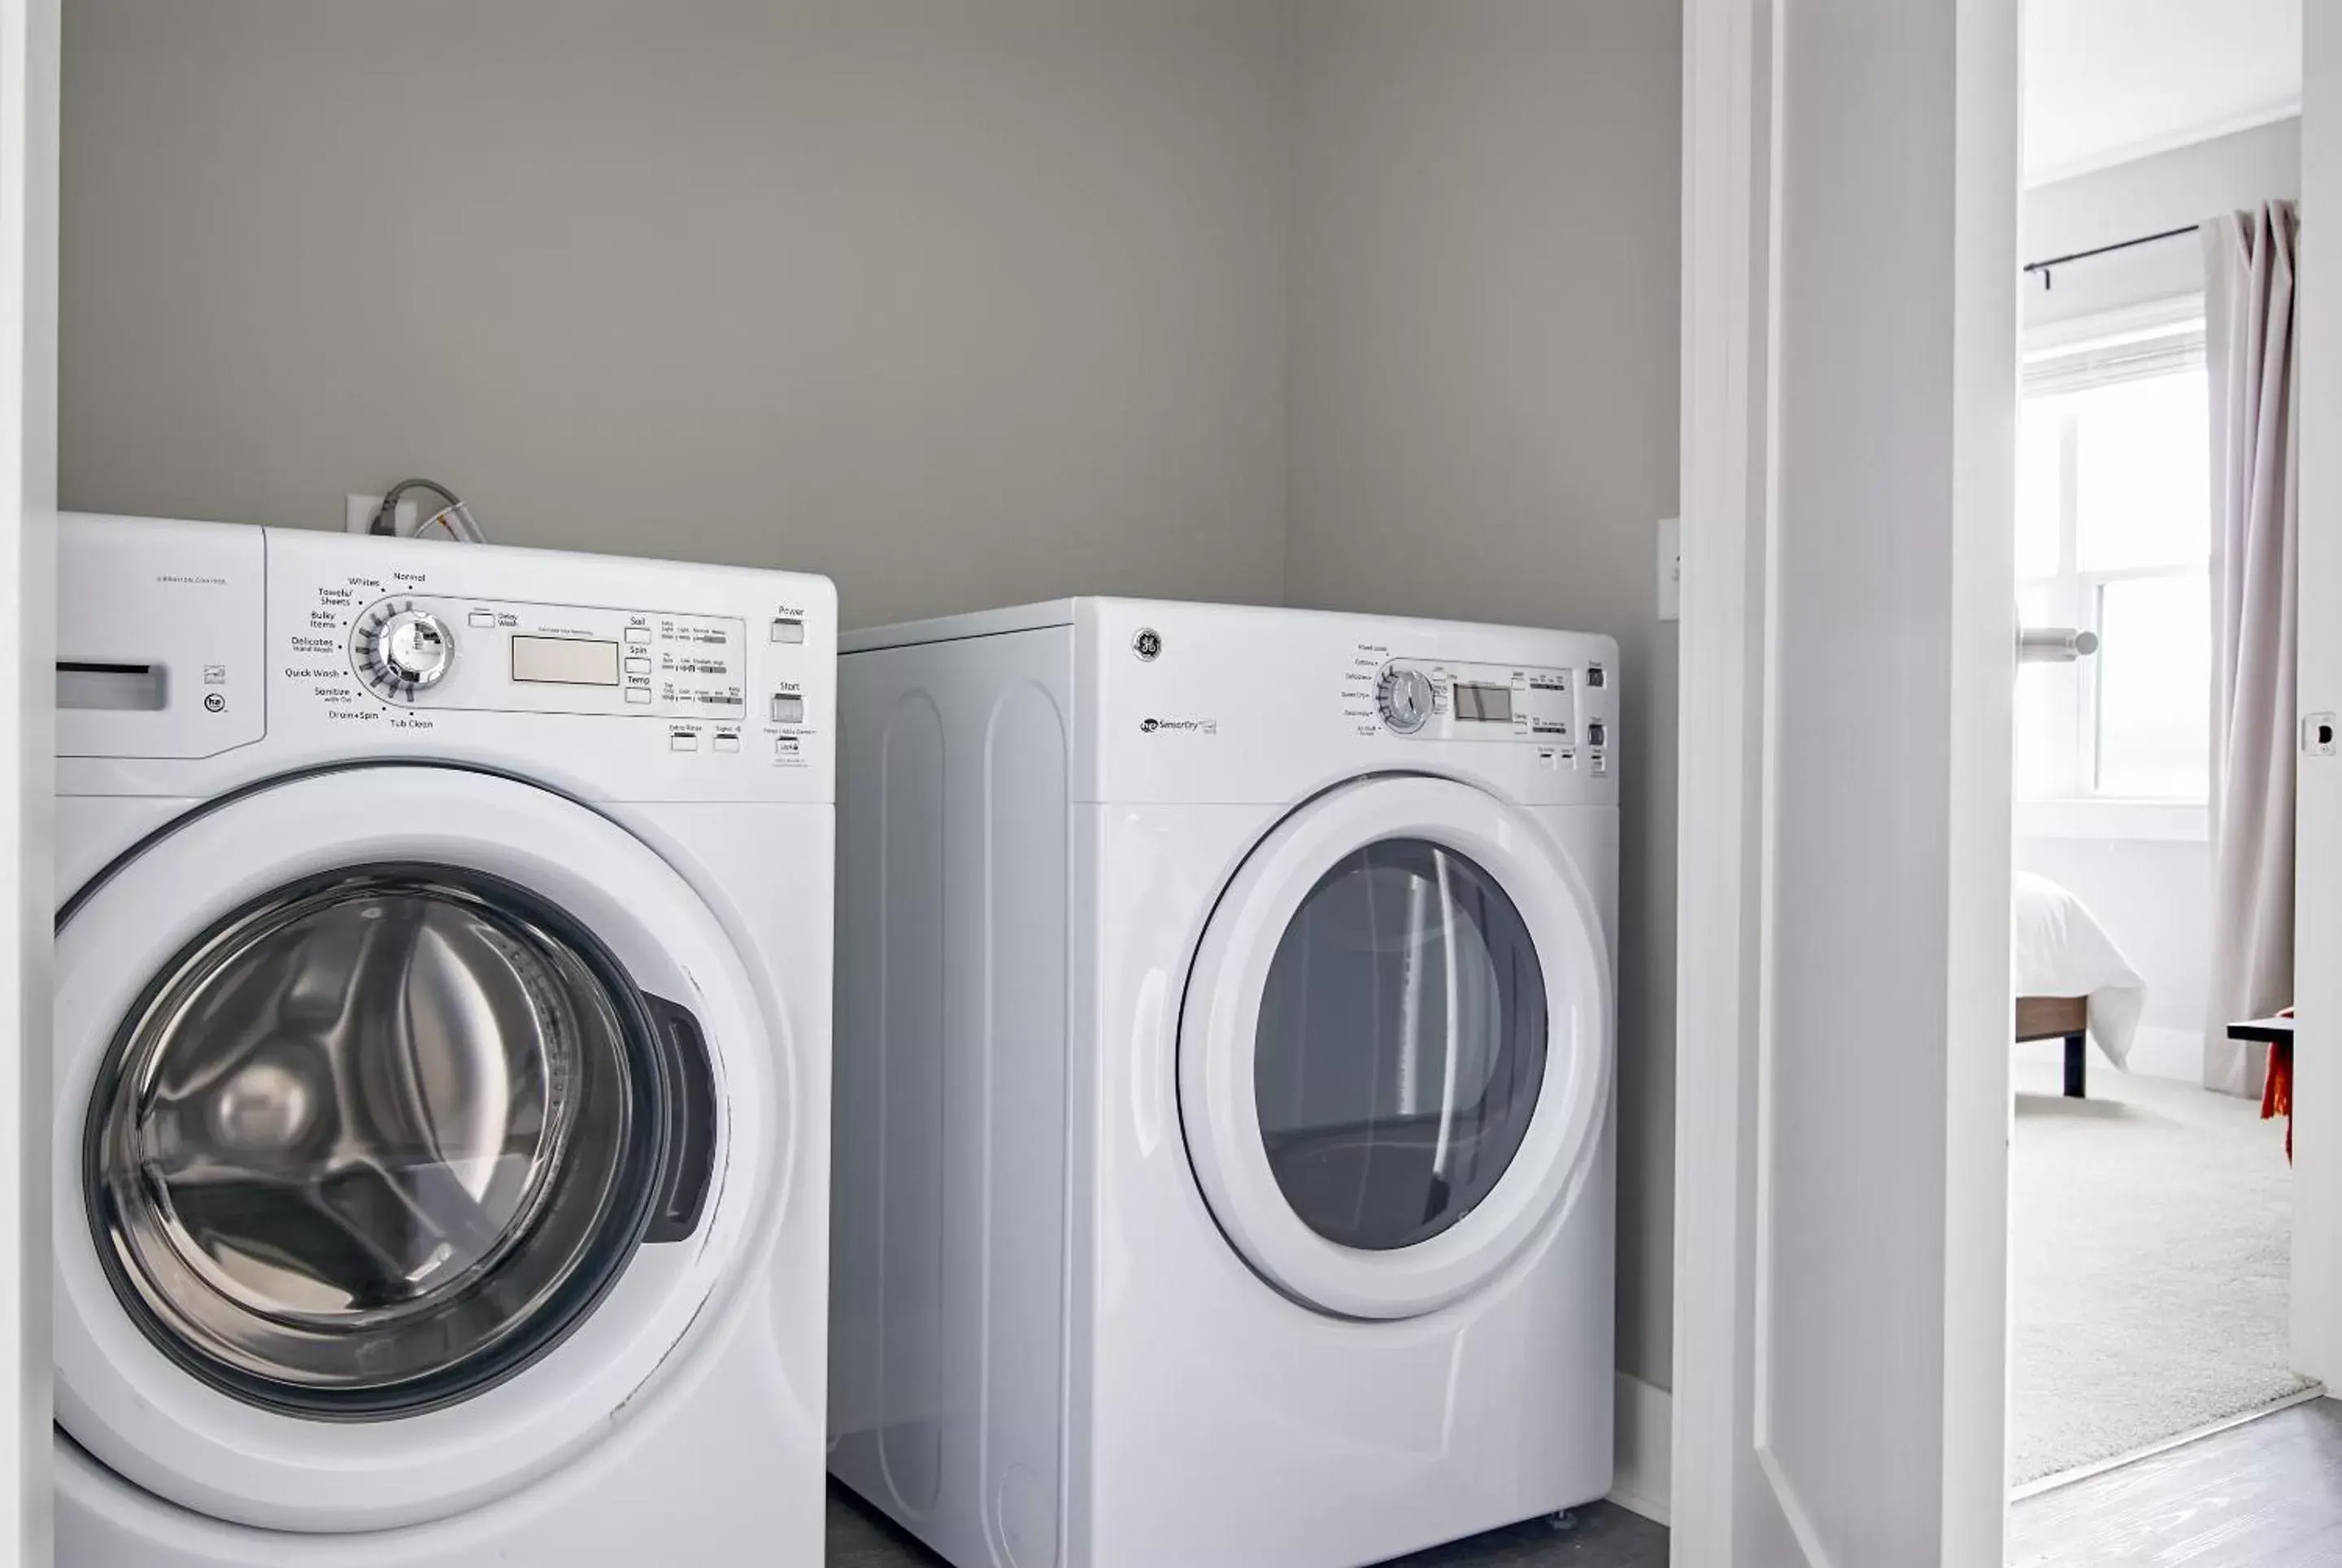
2266 1494
1601 1536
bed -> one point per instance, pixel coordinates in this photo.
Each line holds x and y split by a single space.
2072 982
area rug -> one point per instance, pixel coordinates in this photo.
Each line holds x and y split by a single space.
2150 1238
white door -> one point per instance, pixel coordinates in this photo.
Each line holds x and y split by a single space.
1849 375
1394 1057
29 69
405 1119
2318 912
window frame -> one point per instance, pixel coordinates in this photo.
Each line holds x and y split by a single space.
2073 356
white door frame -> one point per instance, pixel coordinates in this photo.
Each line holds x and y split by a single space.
1731 258
1732 392
1727 305
29 499
2318 846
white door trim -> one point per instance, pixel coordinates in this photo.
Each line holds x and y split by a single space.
1733 312
1729 308
28 498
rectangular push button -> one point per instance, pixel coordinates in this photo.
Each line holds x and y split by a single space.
787 709
727 743
640 635
638 694
486 617
640 664
683 742
788 629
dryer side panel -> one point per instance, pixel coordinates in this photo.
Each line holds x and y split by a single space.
951 1240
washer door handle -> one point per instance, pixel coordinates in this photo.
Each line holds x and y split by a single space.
689 1147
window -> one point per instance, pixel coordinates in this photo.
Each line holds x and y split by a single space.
2114 535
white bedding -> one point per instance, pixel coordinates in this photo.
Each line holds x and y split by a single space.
2057 949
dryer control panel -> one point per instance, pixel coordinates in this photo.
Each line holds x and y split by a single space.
1566 713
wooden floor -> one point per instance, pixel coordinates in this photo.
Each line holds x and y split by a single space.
1602 1535
2266 1494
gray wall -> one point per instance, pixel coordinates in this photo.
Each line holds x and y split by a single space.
2149 195
1483 421
959 303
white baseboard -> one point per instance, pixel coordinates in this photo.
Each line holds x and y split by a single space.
2176 1053
2173 1053
1645 1439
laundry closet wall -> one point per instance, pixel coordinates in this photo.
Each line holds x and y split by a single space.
1484 412
959 301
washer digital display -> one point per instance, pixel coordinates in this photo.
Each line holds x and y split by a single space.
565 661
1484 704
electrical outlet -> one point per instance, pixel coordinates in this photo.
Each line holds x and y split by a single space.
1670 570
357 515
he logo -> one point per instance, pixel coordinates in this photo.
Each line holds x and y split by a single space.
1179 726
1149 726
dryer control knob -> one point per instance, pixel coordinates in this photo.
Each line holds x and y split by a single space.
1405 698
409 649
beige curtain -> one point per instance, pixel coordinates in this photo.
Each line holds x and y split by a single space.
2248 319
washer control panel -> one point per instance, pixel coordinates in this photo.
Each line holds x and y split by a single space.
511 656
1570 715
269 650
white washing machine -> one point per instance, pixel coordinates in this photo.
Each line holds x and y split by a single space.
441 1169
1225 1167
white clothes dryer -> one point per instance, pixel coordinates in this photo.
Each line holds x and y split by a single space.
1224 1142
442 1053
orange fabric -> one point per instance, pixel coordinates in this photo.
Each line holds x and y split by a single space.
2276 1093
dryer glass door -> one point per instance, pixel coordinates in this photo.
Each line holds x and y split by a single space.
1394 1051
1401 1044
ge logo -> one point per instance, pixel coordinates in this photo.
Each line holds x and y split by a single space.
215 703
1147 644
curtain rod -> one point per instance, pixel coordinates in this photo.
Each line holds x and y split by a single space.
2043 266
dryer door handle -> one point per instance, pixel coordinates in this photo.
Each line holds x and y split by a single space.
688 1099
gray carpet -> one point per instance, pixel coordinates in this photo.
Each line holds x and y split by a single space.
2150 1238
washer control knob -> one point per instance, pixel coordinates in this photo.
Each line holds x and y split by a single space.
1405 698
405 650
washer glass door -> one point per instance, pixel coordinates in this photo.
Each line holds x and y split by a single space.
408 1120
374 1141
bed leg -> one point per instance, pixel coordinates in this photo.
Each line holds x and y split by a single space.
2077 1067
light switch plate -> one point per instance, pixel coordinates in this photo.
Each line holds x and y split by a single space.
1670 570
